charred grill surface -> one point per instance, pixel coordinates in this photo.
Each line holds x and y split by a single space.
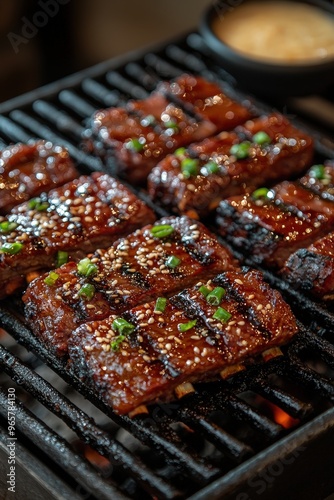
133 139
135 269
218 173
88 213
183 343
26 170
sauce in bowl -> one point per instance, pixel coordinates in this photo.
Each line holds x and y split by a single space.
283 32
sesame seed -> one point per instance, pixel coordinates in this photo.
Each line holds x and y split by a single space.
241 323
189 362
197 360
150 321
160 339
251 297
195 337
88 348
239 282
168 346
196 350
146 358
259 307
238 331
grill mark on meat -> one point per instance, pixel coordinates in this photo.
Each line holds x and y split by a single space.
74 218
157 356
27 170
147 276
199 194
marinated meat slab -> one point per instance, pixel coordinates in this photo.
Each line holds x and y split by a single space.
133 139
207 100
159 259
269 225
88 213
311 269
263 151
27 170
145 354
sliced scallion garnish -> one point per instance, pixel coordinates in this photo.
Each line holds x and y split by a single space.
162 230
116 343
6 226
204 290
87 291
189 167
173 262
38 204
160 304
122 326
51 278
135 145
211 167
184 327
86 267
240 151
261 138
261 194
11 248
222 315
62 258
214 298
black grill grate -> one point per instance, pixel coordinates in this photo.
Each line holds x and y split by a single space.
211 437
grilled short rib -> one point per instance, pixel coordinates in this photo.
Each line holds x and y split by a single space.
26 170
269 225
88 213
132 139
311 269
134 270
183 343
196 180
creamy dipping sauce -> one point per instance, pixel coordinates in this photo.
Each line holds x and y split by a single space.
281 31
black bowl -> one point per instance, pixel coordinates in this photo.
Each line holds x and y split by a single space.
267 78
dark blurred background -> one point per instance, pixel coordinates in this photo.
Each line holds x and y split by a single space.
44 40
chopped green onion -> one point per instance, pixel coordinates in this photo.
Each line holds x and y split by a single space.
261 138
204 290
86 267
11 248
215 297
135 145
222 315
122 326
184 327
148 121
189 167
51 278
87 291
241 151
211 167
38 204
180 152
115 344
261 193
62 258
160 304
162 231
6 226
173 125
173 262
318 172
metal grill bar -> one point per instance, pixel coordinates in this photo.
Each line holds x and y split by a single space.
82 425
57 448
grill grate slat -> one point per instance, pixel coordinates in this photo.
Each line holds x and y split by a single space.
60 114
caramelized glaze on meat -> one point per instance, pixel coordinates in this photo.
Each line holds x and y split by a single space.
288 154
311 269
88 213
184 343
134 139
133 270
269 229
26 170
